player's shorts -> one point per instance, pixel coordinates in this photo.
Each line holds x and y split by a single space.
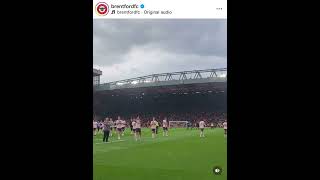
119 129
94 129
225 131
134 130
153 130
165 128
138 130
201 129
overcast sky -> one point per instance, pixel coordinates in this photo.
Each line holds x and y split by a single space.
125 49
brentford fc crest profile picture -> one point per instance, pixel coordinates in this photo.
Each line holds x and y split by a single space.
102 8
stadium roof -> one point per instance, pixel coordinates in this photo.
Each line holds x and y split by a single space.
207 76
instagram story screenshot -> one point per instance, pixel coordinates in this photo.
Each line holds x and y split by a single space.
181 90
160 90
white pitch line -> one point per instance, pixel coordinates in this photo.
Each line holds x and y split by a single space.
111 142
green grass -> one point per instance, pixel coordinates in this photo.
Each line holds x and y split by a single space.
181 156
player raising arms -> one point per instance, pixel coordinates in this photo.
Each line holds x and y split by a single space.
119 126
225 128
153 126
165 127
138 129
201 127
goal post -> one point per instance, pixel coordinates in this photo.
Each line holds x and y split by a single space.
178 124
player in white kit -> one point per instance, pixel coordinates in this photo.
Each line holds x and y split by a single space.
201 127
138 128
153 126
225 128
111 126
95 124
119 126
165 127
133 124
123 127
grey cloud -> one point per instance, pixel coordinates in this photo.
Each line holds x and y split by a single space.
168 45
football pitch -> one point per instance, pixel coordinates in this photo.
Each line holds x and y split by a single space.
183 155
